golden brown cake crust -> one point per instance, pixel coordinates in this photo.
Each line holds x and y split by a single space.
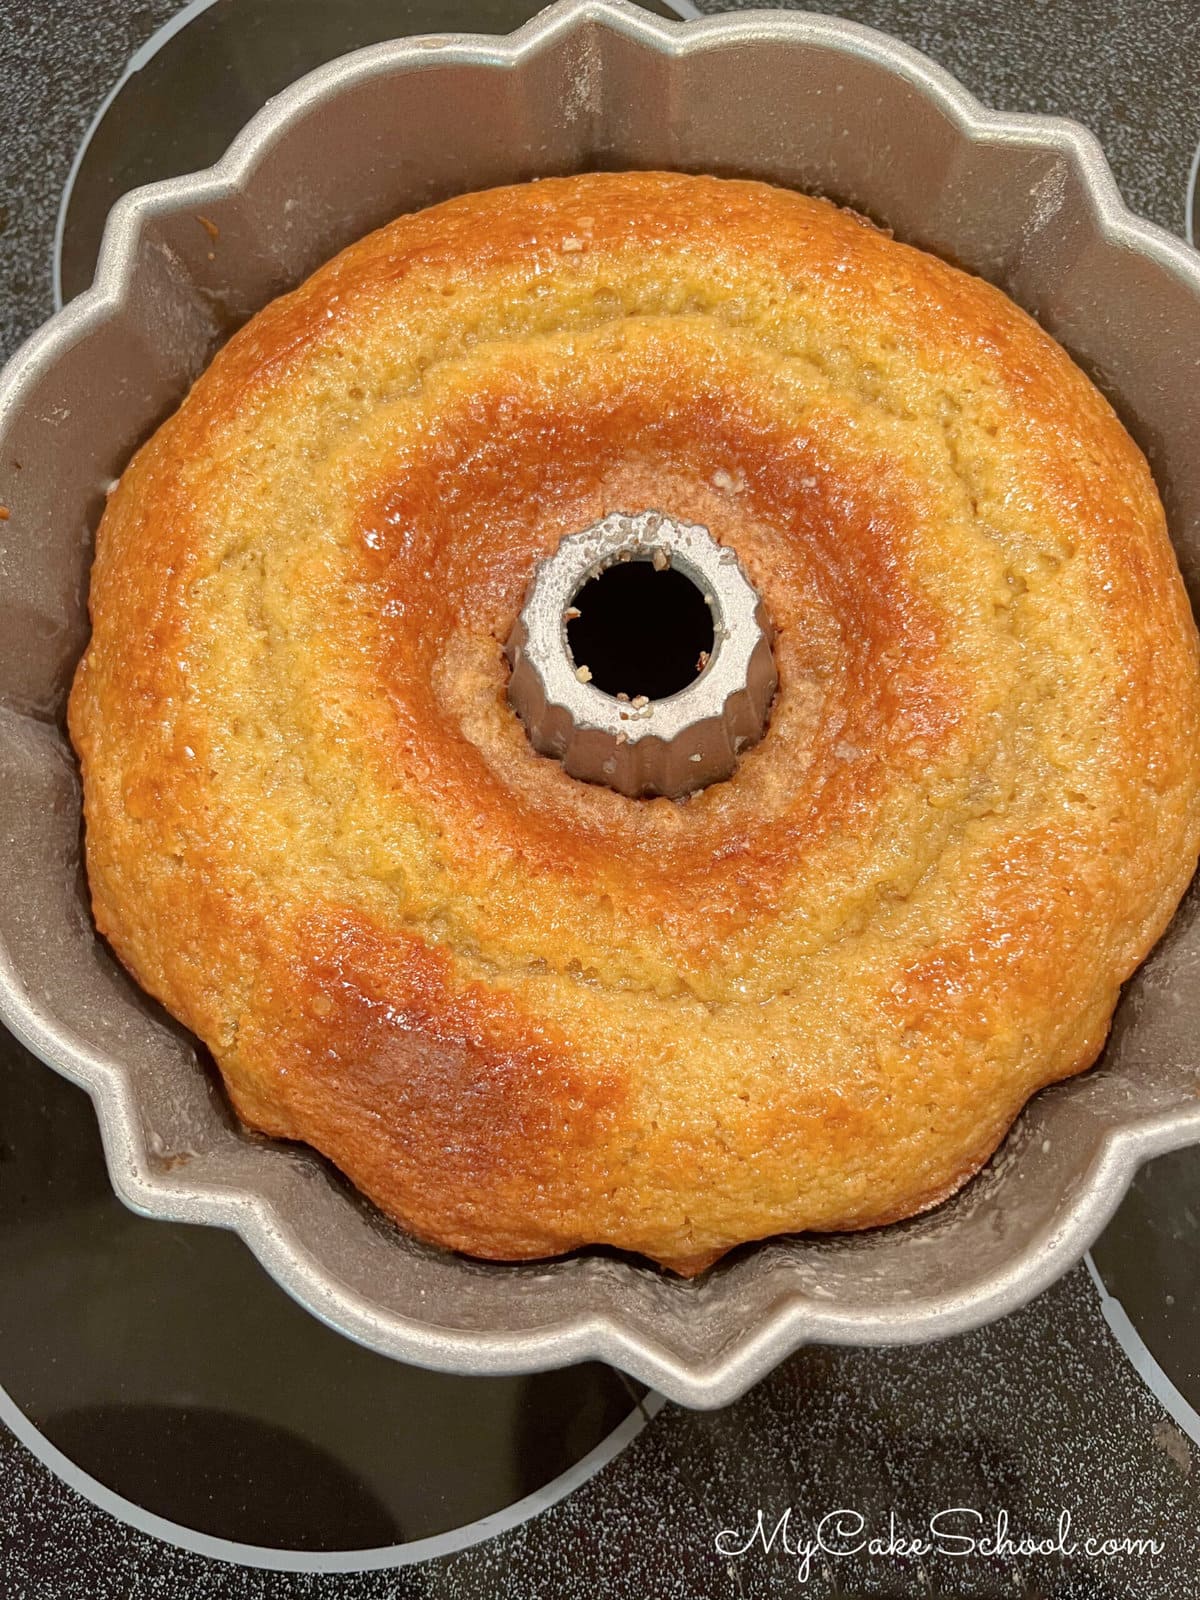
525 1014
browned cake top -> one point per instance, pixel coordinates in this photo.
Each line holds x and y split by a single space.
525 1013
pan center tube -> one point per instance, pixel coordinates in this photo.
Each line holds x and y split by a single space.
641 658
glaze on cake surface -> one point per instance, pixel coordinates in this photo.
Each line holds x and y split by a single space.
524 1013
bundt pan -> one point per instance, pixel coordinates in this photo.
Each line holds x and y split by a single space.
802 100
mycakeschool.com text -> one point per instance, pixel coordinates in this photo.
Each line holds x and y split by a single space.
815 1545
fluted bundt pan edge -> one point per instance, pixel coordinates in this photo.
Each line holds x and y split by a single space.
798 99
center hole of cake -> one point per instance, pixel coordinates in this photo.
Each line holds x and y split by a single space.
640 631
